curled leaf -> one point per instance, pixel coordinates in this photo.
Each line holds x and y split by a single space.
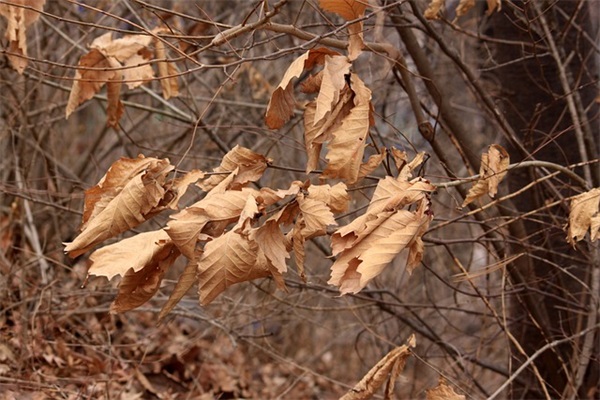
493 168
584 215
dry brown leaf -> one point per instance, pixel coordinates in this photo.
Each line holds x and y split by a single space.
186 280
347 9
137 287
317 216
297 241
371 165
355 40
250 167
282 103
334 80
336 197
166 70
210 216
119 203
374 379
464 6
443 392
114 107
134 252
434 8
395 231
493 168
312 84
584 215
346 149
231 258
317 134
390 194
105 52
272 243
19 19
88 82
179 187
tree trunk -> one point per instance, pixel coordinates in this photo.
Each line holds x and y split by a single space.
547 59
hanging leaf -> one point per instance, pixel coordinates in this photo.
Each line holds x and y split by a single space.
584 215
493 168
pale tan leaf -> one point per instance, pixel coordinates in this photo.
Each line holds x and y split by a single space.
272 243
186 280
227 260
391 194
584 215
317 134
179 187
297 241
369 257
282 103
19 19
443 392
114 107
374 379
317 216
122 48
132 205
334 79
464 6
210 215
336 197
434 8
88 82
136 288
407 168
493 168
134 252
113 182
251 166
140 74
371 165
347 9
345 151
400 158
166 70
355 40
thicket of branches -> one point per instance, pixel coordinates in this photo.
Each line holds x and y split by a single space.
437 165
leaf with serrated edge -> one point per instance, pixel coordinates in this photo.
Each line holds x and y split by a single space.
584 215
281 105
369 257
345 151
374 379
250 167
129 208
227 260
443 392
336 197
493 168
317 216
131 253
136 288
19 19
334 80
371 165
271 241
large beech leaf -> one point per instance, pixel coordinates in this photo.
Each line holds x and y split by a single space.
112 210
334 79
282 103
133 253
249 165
19 19
345 151
356 266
